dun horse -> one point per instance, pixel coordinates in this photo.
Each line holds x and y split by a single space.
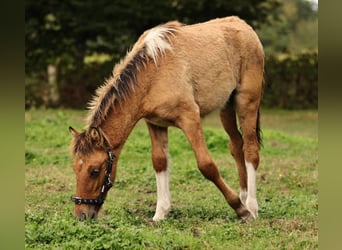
174 75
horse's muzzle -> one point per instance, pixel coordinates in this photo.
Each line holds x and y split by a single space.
84 212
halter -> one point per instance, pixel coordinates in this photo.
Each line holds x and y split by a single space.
107 184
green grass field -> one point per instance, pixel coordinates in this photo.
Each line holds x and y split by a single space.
200 219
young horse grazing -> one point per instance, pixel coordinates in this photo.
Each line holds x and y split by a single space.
174 75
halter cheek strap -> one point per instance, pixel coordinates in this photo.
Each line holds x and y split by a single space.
107 184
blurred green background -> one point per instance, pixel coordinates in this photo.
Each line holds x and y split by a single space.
72 46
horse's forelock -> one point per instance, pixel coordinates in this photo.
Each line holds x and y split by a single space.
82 144
89 140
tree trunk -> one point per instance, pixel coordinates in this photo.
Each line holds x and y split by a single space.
53 93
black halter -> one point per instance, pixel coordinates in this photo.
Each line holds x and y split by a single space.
107 184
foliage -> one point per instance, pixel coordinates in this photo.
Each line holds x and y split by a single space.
64 32
291 81
293 31
291 48
200 218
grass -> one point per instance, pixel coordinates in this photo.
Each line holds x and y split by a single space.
200 218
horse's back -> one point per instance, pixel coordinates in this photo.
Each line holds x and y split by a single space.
213 56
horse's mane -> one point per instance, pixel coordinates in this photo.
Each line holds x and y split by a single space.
151 46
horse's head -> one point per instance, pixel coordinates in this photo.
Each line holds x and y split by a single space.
93 160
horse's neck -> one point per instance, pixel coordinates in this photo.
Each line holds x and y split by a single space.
121 120
124 116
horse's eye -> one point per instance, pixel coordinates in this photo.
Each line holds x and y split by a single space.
94 172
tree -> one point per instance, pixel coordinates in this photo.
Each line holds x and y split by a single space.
295 30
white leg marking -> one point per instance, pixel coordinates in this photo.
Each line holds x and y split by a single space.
163 196
243 195
251 202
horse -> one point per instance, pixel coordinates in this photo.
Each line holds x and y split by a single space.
174 75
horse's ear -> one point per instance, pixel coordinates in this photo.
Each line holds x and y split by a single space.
95 136
73 131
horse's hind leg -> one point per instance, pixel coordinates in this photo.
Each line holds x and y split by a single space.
228 119
247 102
160 161
190 123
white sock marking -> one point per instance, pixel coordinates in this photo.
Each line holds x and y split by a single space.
251 201
163 195
243 196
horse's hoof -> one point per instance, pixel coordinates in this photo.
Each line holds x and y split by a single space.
252 206
244 215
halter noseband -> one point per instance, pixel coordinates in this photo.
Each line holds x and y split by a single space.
107 184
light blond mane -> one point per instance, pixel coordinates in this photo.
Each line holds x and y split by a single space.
153 44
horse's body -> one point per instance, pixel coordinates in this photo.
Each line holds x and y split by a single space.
173 76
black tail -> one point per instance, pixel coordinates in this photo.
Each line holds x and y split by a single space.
258 129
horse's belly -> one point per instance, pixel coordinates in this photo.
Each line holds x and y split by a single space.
212 94
159 121
210 103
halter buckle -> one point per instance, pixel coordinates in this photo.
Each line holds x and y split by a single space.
111 155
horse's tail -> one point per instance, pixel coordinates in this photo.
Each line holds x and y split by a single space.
258 129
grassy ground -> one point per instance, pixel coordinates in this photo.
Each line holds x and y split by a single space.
200 218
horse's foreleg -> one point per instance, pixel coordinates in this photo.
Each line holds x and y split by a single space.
190 124
160 163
